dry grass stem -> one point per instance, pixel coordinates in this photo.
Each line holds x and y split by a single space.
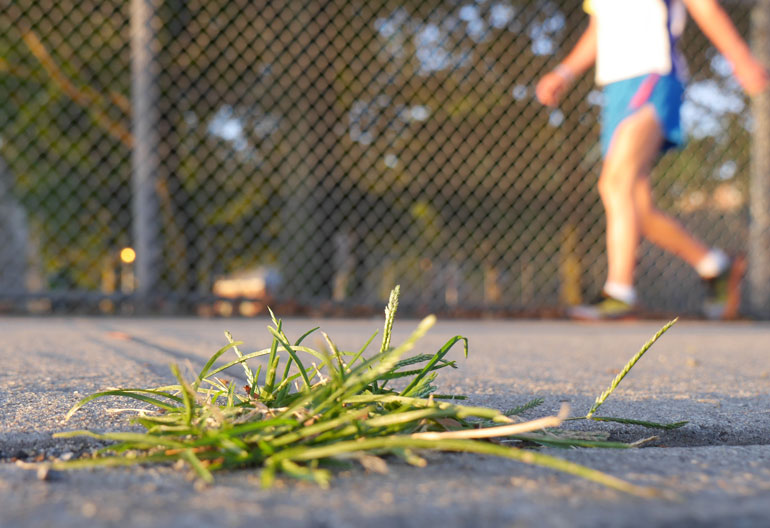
502 430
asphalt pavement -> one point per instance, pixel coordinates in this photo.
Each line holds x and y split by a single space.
715 375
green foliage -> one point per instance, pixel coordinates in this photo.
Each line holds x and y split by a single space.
326 405
59 99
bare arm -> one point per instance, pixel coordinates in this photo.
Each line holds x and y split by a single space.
719 29
552 85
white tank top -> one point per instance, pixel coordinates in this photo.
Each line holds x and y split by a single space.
637 37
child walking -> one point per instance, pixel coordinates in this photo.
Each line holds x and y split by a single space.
633 44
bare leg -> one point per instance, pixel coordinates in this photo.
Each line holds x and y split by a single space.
634 147
624 187
662 230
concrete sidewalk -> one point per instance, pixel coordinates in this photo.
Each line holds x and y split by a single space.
717 376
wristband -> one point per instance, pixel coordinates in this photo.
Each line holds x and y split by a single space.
565 72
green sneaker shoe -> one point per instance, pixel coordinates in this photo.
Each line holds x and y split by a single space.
604 308
723 292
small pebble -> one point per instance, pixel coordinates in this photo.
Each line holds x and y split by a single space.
88 509
43 472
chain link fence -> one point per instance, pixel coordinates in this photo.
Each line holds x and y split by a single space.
212 156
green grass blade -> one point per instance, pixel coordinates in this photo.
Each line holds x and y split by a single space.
460 411
109 461
267 476
137 439
254 388
240 360
437 357
285 344
643 423
361 351
465 446
303 336
127 393
276 321
371 369
197 466
230 394
516 411
251 427
387 420
407 373
552 441
285 380
273 359
205 371
322 477
390 315
188 396
246 369
340 363
421 358
615 382
322 427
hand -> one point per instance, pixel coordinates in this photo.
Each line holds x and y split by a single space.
551 88
752 76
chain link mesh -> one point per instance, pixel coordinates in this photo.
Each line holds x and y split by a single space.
315 153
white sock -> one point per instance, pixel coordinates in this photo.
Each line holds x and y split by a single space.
714 263
621 292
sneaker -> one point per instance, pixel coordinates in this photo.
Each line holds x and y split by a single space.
723 292
604 308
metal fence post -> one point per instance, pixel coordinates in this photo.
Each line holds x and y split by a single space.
145 162
759 227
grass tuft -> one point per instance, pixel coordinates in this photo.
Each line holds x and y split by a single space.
325 407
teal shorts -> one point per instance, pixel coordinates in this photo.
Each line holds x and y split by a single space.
622 98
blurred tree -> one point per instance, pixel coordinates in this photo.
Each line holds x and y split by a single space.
57 93
409 127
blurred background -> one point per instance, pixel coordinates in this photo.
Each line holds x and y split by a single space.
213 156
